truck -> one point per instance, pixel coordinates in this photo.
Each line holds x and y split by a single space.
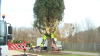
58 43
5 34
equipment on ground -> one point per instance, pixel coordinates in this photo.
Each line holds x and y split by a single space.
54 46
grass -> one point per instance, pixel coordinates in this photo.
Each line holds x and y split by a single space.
83 51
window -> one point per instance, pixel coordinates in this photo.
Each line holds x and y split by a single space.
58 43
1 39
2 32
2 28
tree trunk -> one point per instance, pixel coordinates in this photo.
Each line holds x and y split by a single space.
49 45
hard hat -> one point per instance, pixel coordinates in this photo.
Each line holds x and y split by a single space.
31 43
41 42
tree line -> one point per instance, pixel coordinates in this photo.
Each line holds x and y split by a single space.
23 33
87 32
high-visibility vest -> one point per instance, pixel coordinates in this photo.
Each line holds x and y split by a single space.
44 37
41 44
31 45
52 35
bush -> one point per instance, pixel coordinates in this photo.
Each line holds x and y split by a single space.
17 41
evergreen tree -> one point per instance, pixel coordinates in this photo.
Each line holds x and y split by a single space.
48 13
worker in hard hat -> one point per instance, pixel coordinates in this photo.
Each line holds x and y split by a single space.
52 36
44 38
41 46
31 46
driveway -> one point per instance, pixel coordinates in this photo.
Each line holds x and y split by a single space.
13 52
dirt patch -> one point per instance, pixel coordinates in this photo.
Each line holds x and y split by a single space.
25 55
50 53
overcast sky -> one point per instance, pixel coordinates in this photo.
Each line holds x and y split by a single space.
20 12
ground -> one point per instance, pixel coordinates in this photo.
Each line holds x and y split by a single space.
50 53
17 53
60 53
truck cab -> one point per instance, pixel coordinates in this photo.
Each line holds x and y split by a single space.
59 45
5 34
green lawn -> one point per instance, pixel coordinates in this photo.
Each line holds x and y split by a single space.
83 51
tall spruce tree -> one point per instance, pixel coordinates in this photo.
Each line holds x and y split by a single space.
48 14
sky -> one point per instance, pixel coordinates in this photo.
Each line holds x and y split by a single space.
20 12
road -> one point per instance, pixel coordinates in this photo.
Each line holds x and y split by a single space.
84 53
13 52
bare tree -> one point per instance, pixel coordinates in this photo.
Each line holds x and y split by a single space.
22 33
77 30
90 32
89 24
83 25
57 35
67 31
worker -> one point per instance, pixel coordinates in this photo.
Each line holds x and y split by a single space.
41 46
52 36
44 38
31 46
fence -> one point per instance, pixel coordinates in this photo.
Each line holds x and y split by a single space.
81 46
